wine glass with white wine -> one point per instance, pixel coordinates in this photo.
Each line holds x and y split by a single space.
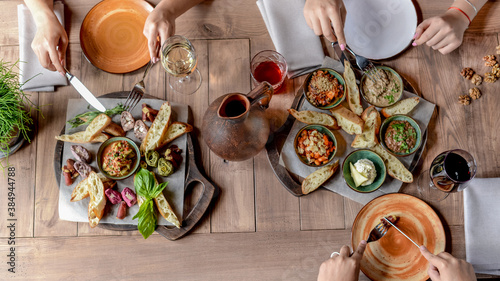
178 57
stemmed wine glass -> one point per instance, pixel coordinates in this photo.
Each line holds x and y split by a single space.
450 171
178 57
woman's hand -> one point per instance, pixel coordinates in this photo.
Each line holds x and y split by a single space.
342 267
445 267
50 43
443 33
322 15
159 25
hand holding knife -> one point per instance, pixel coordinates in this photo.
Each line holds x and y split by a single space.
84 92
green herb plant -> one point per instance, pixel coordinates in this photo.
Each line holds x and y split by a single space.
147 187
15 108
87 117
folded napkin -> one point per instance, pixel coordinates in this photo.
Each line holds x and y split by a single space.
33 76
482 226
291 35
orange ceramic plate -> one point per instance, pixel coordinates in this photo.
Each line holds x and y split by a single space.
394 257
111 35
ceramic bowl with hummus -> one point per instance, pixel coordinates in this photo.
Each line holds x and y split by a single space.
118 158
400 135
324 88
382 92
364 171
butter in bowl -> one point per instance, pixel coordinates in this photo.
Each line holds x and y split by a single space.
364 171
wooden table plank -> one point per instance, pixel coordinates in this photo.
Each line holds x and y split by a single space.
22 178
47 222
229 73
229 256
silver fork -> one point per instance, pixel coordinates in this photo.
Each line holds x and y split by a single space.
365 65
377 232
137 92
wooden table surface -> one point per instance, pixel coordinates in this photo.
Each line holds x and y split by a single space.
256 230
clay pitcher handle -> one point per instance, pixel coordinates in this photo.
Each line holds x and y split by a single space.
262 94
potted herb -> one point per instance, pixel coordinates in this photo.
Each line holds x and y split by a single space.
15 110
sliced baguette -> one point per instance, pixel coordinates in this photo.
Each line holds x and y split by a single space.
114 130
368 138
348 120
158 130
175 130
79 137
97 198
353 97
96 126
401 107
164 208
395 168
315 117
80 191
318 177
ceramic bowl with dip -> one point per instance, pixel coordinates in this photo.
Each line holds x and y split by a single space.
400 135
371 167
315 145
382 92
325 88
118 158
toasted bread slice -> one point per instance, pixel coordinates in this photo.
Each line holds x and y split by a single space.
348 120
165 210
315 117
353 97
97 199
96 126
80 191
318 177
79 137
158 130
175 130
395 168
114 130
368 138
401 107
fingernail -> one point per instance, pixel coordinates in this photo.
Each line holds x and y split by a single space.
414 36
423 248
414 44
342 47
363 242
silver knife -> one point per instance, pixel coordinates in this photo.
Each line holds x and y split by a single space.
84 92
402 232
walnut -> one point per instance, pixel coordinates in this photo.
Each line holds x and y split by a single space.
464 99
490 60
474 93
496 70
498 49
489 77
467 73
476 79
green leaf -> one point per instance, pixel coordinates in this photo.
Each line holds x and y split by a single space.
158 189
144 183
147 218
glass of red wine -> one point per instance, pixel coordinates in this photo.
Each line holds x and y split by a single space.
269 66
450 171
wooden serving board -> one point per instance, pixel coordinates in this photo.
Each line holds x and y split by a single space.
193 175
276 141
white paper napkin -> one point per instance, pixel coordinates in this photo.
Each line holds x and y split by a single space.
291 35
33 76
482 225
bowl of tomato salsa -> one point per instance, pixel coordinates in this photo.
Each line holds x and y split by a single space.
118 158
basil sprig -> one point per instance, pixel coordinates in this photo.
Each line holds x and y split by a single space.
146 186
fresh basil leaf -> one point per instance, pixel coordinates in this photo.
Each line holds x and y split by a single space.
147 221
144 182
158 189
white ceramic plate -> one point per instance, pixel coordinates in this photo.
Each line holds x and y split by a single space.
379 29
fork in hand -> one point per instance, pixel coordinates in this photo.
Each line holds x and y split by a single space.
137 92
377 232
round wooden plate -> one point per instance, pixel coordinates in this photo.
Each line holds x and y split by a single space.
111 35
394 257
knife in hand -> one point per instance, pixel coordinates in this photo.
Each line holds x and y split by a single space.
401 232
84 92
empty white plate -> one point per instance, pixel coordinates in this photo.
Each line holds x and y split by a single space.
379 29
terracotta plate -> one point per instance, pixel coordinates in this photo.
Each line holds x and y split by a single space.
394 257
111 35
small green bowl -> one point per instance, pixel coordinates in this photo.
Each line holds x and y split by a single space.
413 123
398 77
106 144
321 129
378 162
339 78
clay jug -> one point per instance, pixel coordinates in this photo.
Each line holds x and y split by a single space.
235 126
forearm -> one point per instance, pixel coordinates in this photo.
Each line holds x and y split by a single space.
176 8
467 6
41 10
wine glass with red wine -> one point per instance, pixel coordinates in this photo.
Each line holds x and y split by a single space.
269 66
450 171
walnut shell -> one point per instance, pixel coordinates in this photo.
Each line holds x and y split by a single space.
464 99
467 73
474 93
